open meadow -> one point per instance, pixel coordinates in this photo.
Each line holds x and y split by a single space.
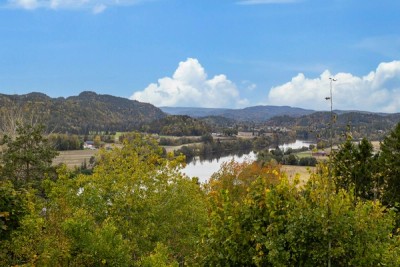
303 172
74 158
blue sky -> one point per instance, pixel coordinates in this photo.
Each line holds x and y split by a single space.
221 53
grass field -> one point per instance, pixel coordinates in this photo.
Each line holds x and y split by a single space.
74 158
303 171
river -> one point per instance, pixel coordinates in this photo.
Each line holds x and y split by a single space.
296 145
203 169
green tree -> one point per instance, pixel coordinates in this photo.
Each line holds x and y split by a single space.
12 208
97 141
226 241
230 131
308 161
134 200
299 226
207 138
389 163
160 257
354 168
27 158
289 225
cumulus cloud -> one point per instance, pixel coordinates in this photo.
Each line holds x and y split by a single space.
96 6
377 91
190 87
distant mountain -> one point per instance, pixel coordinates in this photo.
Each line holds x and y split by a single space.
94 112
352 118
358 123
195 112
256 113
83 113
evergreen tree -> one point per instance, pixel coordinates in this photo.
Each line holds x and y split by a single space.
27 157
354 168
389 163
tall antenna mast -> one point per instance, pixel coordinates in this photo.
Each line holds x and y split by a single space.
330 172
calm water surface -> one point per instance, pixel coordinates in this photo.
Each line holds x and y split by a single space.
296 145
205 168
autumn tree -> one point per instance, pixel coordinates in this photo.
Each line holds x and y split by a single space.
289 225
225 241
136 208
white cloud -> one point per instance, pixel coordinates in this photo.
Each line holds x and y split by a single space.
99 8
248 85
96 6
25 4
189 87
68 4
377 91
264 2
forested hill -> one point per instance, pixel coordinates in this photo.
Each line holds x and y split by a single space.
255 113
83 113
319 119
360 124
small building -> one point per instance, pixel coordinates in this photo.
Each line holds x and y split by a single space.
88 145
319 154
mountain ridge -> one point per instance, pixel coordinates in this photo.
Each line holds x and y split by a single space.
90 111
258 113
86 112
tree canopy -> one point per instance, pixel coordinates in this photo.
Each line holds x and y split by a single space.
138 209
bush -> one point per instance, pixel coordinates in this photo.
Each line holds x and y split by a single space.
308 161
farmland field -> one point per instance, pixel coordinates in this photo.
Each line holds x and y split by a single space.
74 158
303 171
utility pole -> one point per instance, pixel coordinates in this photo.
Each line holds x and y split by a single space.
330 174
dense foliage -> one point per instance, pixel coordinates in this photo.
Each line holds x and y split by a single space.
137 209
287 157
370 175
177 125
27 158
66 142
273 222
135 203
354 167
389 167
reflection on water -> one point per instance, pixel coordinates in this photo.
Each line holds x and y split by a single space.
204 168
221 155
296 145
